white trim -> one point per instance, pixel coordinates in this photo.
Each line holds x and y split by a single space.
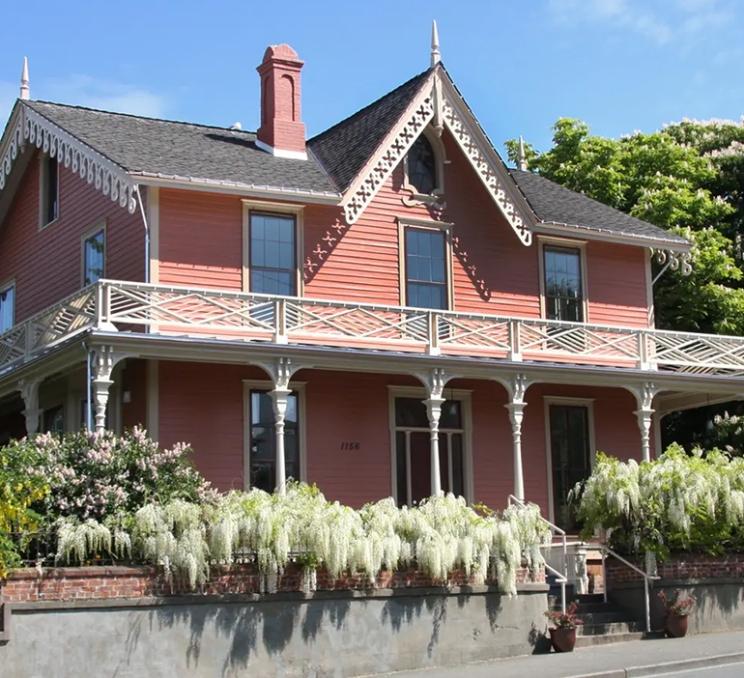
464 396
281 152
297 387
440 159
153 221
590 233
650 308
549 400
565 243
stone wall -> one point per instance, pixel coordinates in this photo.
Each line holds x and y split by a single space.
716 582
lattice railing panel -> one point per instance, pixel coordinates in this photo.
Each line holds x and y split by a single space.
579 340
473 332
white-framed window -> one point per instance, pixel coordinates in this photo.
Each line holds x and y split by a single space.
570 452
7 307
49 190
411 445
425 263
94 256
260 435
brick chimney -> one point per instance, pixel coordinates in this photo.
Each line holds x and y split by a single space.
282 131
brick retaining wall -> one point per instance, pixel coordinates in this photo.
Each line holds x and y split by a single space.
682 566
107 583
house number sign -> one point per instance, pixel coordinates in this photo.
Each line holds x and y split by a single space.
350 445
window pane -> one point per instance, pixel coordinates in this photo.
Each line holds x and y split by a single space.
273 265
411 413
263 441
458 466
52 174
563 284
401 480
426 268
7 300
95 256
451 415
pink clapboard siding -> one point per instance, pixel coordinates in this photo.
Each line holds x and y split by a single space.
204 404
46 264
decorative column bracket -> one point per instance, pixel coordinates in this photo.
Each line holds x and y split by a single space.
29 389
517 388
435 382
104 361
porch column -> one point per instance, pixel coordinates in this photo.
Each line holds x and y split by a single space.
515 406
103 365
437 380
644 413
30 394
281 372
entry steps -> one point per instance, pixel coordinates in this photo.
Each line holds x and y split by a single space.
603 622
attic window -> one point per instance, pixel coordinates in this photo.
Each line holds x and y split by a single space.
49 202
421 166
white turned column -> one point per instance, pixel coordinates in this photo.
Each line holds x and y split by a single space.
30 394
103 365
280 398
434 412
516 406
644 413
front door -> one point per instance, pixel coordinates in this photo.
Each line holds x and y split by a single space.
570 458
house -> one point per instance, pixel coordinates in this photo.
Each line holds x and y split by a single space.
382 309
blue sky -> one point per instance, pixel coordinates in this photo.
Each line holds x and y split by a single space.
621 65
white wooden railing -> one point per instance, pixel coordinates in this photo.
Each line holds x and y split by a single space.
125 306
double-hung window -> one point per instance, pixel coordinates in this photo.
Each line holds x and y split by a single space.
94 257
262 454
273 254
564 287
7 308
426 268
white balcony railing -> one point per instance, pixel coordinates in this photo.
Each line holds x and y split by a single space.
124 306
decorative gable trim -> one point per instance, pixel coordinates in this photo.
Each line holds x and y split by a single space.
438 100
390 153
33 128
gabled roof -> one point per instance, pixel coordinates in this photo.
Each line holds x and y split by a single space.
345 148
558 205
168 149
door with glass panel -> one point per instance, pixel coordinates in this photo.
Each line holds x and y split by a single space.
413 450
570 455
262 443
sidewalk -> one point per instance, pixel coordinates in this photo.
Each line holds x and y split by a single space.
619 660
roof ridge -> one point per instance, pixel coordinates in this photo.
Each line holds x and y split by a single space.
370 105
138 117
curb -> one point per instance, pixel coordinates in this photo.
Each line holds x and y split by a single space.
667 667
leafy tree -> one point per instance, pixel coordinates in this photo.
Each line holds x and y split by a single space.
687 178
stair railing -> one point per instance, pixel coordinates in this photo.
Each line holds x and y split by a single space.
647 578
561 577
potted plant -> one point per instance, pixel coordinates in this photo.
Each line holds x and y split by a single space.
677 611
563 633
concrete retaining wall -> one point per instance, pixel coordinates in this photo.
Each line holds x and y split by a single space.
323 634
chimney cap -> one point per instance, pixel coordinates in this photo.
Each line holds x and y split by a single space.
281 52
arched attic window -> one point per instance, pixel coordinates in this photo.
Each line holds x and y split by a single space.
423 166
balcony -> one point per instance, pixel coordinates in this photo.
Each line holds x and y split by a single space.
111 305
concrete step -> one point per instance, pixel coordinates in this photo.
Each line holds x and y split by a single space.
609 628
604 617
590 640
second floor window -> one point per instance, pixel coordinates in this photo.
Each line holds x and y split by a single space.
564 288
426 268
94 258
49 190
273 255
7 310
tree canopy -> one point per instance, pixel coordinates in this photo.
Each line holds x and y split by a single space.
688 178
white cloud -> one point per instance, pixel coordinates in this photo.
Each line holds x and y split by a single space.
682 19
84 90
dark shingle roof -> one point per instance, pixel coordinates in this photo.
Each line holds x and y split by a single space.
553 203
176 149
344 148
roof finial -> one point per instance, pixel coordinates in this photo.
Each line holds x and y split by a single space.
25 87
436 55
522 156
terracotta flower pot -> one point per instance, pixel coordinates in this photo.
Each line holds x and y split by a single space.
675 625
563 639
